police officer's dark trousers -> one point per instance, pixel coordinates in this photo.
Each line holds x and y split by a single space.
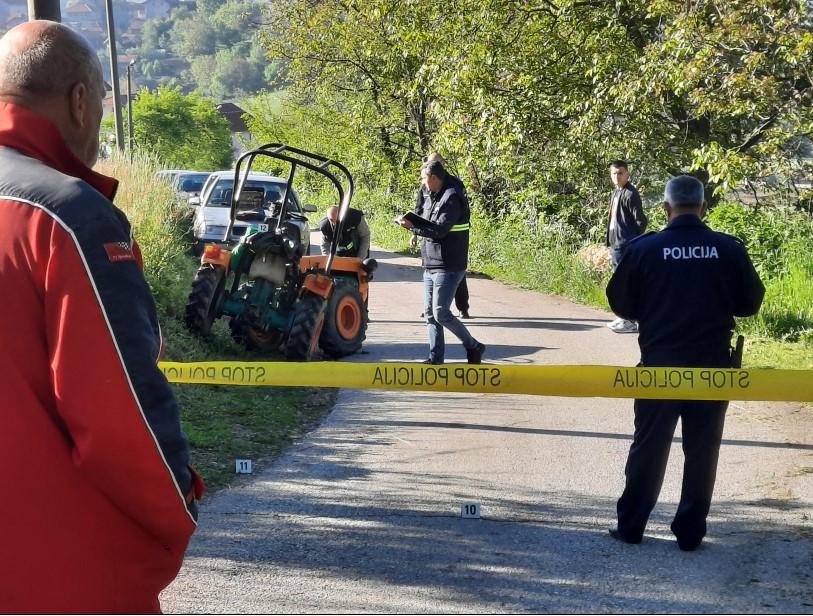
461 296
655 422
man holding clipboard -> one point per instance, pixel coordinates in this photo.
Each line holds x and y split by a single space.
444 227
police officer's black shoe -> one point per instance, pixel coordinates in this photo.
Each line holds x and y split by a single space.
464 314
689 546
432 361
475 355
616 534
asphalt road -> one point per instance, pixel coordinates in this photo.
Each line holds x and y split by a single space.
363 515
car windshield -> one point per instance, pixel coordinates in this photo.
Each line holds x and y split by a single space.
191 182
220 194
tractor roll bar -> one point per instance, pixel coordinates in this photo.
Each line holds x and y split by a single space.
295 157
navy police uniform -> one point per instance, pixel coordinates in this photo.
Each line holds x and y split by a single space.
684 286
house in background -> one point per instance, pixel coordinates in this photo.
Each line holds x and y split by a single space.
149 9
80 15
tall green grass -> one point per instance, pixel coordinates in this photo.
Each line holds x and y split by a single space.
159 224
787 311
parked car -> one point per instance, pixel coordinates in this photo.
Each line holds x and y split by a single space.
212 213
189 183
184 182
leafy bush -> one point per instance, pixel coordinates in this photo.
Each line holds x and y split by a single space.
766 232
787 311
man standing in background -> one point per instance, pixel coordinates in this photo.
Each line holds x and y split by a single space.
444 228
461 296
625 221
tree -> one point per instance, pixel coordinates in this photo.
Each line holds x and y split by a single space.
532 98
184 130
365 62
722 88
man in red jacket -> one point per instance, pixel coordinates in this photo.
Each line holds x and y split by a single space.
98 499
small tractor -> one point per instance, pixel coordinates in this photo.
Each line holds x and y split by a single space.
276 297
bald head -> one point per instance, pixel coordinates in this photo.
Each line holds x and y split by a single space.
332 214
54 71
45 58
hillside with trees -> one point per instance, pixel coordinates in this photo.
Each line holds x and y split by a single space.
210 46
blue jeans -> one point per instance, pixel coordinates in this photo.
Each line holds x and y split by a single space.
439 289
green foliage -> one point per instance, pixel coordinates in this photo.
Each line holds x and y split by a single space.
183 130
218 40
364 65
158 225
787 311
528 102
538 97
768 233
276 117
213 49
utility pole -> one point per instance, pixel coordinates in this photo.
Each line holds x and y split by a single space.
130 110
44 9
114 75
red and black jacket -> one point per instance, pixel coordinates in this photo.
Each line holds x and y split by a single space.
98 496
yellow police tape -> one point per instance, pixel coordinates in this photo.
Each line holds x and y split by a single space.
577 381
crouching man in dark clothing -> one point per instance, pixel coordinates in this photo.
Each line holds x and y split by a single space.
444 227
355 236
684 286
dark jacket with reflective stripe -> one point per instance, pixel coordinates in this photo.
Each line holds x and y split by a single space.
684 285
355 235
445 244
94 468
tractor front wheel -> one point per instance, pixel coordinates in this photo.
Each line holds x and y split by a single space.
206 294
345 321
306 325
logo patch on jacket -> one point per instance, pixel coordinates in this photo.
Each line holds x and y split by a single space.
119 251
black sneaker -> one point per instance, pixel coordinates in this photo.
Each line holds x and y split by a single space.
616 534
431 361
689 546
475 355
464 314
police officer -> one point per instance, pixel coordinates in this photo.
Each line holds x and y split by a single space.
684 286
444 228
355 239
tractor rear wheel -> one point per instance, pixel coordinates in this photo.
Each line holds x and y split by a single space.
306 325
253 337
345 320
202 304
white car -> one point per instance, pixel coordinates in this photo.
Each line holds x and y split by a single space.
212 212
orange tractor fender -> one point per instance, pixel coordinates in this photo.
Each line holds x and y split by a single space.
215 255
340 264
